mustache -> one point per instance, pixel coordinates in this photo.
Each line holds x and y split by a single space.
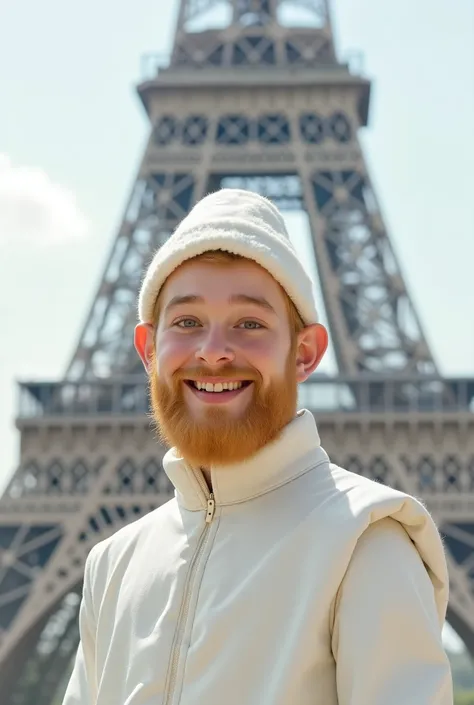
229 372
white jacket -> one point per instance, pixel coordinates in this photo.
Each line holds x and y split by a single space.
297 583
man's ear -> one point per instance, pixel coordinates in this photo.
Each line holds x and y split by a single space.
311 346
144 343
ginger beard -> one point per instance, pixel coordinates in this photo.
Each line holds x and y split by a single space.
219 437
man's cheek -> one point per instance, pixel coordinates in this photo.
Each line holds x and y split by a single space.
167 362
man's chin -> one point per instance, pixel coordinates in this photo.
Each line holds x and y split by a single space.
213 414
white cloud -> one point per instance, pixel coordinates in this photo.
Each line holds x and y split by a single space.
34 209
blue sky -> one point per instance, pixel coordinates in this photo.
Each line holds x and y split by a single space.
72 132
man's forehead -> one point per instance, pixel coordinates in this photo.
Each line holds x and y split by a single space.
202 278
201 283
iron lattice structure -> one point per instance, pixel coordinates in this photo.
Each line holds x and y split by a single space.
250 99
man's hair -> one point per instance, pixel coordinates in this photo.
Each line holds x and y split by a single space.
227 258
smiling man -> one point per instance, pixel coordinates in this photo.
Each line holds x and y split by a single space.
273 577
223 372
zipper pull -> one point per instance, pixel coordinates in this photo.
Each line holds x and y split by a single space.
211 508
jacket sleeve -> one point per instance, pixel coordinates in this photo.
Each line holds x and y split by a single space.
387 640
82 686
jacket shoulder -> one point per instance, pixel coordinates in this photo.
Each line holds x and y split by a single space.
364 497
366 502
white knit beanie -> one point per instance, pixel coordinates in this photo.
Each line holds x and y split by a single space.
237 221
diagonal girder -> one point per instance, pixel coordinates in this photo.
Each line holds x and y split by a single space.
368 292
156 205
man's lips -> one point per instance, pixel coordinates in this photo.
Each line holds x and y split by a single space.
220 395
216 385
215 380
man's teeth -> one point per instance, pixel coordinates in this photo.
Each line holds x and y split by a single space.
219 387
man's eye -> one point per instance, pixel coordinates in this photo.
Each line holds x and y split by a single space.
186 323
251 325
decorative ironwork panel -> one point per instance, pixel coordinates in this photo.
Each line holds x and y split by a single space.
312 128
186 55
435 473
315 129
377 468
309 50
194 133
339 127
145 477
233 130
165 130
172 194
239 129
257 51
54 477
274 129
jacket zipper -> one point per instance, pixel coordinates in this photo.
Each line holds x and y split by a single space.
183 618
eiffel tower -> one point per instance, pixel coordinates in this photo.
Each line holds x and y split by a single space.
247 99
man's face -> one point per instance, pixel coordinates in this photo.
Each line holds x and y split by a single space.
224 369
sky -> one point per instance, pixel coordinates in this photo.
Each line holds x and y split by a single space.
72 132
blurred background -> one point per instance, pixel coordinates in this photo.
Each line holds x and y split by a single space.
72 132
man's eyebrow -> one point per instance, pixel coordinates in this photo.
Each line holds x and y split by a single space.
187 299
235 299
254 300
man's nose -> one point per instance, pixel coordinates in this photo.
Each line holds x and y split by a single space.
214 349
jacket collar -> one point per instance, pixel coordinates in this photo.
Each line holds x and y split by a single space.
295 451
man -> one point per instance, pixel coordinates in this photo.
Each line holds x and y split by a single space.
273 577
